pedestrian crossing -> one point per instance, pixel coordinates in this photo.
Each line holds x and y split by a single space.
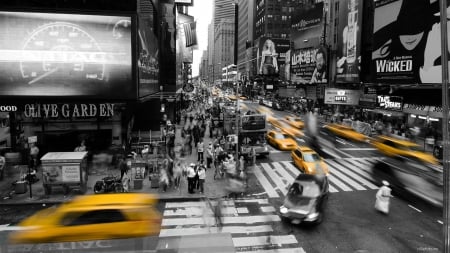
249 222
346 174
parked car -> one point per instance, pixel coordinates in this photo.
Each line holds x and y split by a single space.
92 217
305 200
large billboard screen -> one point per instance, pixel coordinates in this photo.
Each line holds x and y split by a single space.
407 45
272 55
66 55
307 26
309 66
349 41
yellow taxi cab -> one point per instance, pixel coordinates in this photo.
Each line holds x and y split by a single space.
243 98
281 141
291 131
393 147
92 217
295 122
308 161
232 97
346 132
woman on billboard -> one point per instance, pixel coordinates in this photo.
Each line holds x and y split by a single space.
405 41
269 64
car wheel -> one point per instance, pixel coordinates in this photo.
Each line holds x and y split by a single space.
118 188
437 152
98 188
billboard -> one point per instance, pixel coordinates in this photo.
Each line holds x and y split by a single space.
307 26
148 62
186 53
272 55
66 55
341 97
390 102
309 66
349 41
406 40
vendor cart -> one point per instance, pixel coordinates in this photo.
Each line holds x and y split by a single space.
64 169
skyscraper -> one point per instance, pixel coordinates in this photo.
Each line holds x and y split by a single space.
223 46
246 34
223 9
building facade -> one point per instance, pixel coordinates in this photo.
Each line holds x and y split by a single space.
223 46
246 37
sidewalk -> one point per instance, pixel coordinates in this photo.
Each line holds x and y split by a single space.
213 188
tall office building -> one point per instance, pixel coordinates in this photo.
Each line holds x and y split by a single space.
210 53
223 46
203 73
246 36
223 9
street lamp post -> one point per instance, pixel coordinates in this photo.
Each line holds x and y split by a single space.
236 33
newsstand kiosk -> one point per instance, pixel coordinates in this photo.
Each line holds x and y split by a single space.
64 169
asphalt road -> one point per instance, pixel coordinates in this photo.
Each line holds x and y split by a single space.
351 223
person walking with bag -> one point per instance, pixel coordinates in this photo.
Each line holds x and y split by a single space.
383 198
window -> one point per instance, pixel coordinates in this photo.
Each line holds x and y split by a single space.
93 217
298 153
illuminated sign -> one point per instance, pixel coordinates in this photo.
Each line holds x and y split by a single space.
68 110
8 108
70 55
389 102
340 99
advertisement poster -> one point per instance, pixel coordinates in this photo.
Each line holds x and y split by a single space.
407 45
51 174
186 53
349 41
66 55
308 66
272 55
341 97
307 26
148 62
390 102
71 173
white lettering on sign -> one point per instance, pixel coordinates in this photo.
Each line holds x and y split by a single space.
8 108
68 110
387 66
340 99
71 173
385 102
304 57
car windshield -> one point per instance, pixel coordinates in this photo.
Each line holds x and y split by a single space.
302 189
311 157
281 136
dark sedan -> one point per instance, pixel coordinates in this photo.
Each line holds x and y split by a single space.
305 199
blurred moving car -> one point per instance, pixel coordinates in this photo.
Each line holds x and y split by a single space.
92 217
305 200
346 132
308 161
281 141
394 147
411 175
277 105
295 122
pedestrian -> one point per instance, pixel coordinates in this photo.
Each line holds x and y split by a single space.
196 178
209 155
201 177
2 165
191 177
126 181
177 173
81 148
200 148
383 198
123 166
34 154
164 179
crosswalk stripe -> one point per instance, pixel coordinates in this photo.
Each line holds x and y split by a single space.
349 177
355 166
365 161
275 178
346 179
268 209
198 211
265 183
196 204
225 220
264 240
214 230
338 183
288 165
288 250
290 179
332 189
259 201
354 174
361 165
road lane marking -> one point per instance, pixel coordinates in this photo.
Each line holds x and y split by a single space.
276 179
338 183
356 168
268 209
265 183
259 201
198 211
289 250
440 222
225 220
166 232
346 179
342 142
288 177
415 208
264 240
289 166
196 204
345 170
331 153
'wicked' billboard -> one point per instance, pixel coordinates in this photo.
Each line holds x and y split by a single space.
407 42
349 41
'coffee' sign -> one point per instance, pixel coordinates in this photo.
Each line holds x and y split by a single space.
68 110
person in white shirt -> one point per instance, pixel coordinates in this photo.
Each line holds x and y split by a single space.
200 148
191 177
201 177
145 151
209 155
